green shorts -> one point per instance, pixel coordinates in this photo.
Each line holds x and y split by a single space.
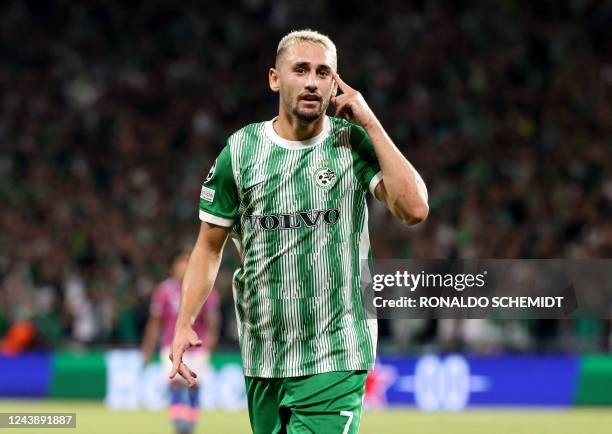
327 403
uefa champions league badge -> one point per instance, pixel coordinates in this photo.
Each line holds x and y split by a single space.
325 178
211 172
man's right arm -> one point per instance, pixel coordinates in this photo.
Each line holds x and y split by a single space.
198 281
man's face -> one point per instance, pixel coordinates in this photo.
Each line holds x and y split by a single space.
303 79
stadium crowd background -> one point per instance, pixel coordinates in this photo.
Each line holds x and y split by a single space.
111 114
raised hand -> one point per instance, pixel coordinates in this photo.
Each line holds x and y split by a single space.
351 105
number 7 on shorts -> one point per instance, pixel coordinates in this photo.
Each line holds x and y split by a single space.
348 414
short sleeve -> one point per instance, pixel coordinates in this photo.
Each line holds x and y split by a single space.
365 162
219 195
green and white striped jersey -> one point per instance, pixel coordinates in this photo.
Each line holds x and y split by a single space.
299 218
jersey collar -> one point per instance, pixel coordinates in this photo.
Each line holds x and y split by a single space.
297 144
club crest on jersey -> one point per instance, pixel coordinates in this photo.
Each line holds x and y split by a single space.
211 172
325 177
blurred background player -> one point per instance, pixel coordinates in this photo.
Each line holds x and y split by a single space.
184 400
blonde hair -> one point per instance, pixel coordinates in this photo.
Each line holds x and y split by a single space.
306 35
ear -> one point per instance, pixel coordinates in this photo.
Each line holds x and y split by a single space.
273 79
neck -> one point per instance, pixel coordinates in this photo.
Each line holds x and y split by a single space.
290 128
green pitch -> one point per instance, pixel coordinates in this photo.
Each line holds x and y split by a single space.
94 418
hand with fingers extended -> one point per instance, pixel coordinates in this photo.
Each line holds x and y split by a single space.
184 338
351 105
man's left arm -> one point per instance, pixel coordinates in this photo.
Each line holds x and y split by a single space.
402 189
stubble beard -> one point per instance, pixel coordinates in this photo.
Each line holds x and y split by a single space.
308 116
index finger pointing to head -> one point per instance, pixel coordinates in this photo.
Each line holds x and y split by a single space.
341 84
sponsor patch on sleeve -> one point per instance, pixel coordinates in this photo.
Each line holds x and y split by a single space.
208 194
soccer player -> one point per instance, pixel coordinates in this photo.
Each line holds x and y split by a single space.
291 192
184 402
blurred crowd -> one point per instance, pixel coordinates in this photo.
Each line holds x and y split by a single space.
111 114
